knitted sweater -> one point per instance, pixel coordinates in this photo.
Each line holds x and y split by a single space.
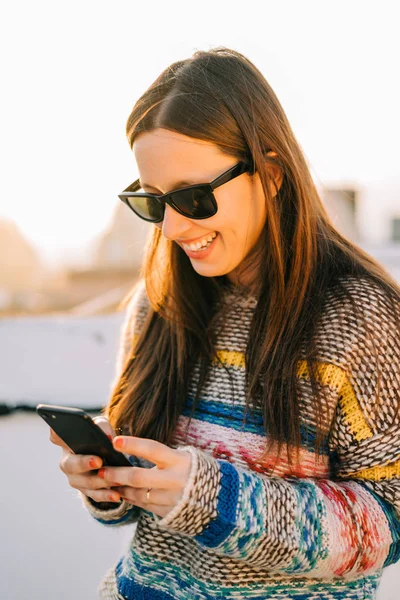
324 531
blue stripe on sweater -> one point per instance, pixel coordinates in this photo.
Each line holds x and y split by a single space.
220 528
130 589
190 587
139 592
231 417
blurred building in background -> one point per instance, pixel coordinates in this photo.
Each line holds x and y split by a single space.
117 255
367 216
121 245
28 286
370 218
341 204
22 273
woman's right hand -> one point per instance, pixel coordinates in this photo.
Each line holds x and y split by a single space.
81 469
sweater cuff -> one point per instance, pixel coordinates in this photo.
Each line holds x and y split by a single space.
197 506
114 514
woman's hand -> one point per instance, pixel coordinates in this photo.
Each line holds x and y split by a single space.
167 479
79 468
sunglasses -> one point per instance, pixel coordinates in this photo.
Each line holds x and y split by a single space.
194 201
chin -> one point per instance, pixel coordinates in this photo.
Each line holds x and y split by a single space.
212 270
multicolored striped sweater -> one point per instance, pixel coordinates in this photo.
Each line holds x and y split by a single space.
324 531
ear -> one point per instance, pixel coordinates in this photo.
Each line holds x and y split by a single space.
276 176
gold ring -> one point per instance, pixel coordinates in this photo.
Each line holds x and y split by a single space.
148 495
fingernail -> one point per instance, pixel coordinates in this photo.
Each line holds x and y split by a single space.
119 442
101 473
114 497
94 463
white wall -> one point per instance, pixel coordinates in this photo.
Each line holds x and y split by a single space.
378 203
58 359
50 546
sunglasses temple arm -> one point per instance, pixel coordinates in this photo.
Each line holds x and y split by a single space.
134 187
234 172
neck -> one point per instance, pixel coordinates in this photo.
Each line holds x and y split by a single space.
246 276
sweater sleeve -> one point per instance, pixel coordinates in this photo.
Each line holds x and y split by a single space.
122 513
345 526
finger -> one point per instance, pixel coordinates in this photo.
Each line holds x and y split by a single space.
159 509
55 439
156 452
156 497
140 478
102 495
74 464
87 481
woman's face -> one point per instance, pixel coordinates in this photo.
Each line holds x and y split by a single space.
165 159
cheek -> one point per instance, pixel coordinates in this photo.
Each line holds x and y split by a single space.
232 215
260 215
238 217
256 214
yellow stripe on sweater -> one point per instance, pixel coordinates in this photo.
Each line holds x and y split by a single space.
230 358
378 473
326 373
353 414
336 378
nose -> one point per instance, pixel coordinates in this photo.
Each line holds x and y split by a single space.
174 225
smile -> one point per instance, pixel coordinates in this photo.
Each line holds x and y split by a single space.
200 244
202 248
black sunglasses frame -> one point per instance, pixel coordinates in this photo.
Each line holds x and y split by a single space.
131 191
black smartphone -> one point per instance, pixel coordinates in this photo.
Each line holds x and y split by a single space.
81 434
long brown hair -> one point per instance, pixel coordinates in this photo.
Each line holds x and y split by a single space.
221 97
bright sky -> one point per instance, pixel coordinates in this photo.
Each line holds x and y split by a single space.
72 71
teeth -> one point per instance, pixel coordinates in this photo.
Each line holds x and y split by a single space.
194 246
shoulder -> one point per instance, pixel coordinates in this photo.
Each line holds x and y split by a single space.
368 327
136 305
358 316
368 307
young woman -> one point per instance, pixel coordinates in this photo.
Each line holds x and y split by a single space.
258 378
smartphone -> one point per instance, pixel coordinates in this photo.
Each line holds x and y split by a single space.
78 430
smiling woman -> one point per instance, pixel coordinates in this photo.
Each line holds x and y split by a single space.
259 365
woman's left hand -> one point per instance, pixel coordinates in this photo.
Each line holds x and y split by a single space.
167 479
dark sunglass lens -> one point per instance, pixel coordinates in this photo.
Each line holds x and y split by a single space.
195 203
146 207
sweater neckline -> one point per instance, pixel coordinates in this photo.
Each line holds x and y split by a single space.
240 294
